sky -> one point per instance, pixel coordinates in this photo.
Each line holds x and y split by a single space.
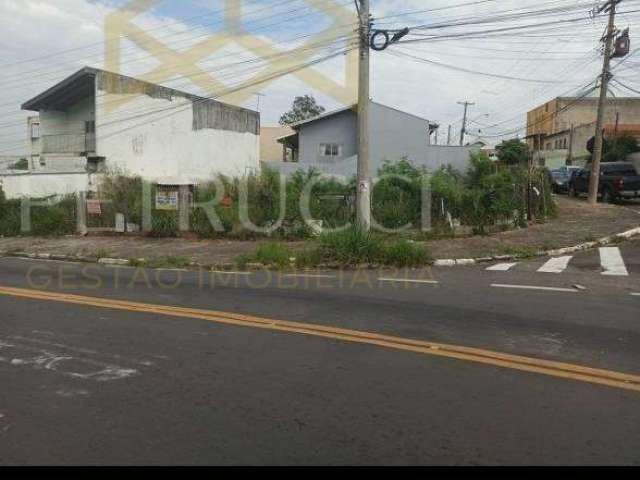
44 41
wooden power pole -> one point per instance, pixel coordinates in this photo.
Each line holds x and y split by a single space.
464 120
364 167
594 181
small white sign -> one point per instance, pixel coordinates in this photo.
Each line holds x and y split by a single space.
119 223
167 200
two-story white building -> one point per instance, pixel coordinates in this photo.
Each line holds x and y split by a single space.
96 121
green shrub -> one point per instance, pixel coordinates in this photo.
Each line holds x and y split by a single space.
9 218
397 197
404 253
55 219
122 194
513 152
350 247
164 224
274 254
22 164
308 258
169 262
446 196
617 149
52 217
520 251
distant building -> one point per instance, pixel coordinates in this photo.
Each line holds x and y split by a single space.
96 120
328 143
34 143
270 149
559 130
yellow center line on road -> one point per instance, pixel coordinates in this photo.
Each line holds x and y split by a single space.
486 357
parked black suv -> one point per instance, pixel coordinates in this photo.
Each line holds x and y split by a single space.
617 180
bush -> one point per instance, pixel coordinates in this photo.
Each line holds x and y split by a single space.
122 194
404 253
350 247
619 148
164 224
308 258
354 246
56 217
513 152
9 217
446 196
397 197
273 254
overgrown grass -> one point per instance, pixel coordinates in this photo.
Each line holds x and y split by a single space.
49 217
355 246
350 247
404 253
168 262
308 258
164 224
274 254
480 198
521 251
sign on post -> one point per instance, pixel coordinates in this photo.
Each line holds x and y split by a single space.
167 199
94 207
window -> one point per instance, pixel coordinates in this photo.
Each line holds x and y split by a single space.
623 170
35 130
330 150
90 127
43 162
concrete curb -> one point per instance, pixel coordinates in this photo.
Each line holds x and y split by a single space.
445 262
548 253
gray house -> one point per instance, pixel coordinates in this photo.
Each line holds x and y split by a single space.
329 143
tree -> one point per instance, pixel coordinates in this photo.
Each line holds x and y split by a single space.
513 152
22 164
619 148
303 108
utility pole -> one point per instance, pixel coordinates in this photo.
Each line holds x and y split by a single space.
449 136
570 154
594 181
464 120
364 168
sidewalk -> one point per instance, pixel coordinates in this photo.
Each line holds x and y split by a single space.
576 223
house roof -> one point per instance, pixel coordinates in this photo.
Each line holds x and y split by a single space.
354 108
82 84
73 88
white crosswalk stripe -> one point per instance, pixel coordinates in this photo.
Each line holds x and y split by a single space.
612 262
502 267
556 265
610 258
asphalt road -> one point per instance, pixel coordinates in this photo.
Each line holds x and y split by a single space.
89 381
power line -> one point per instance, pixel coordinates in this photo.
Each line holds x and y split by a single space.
473 72
163 26
19 75
285 54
